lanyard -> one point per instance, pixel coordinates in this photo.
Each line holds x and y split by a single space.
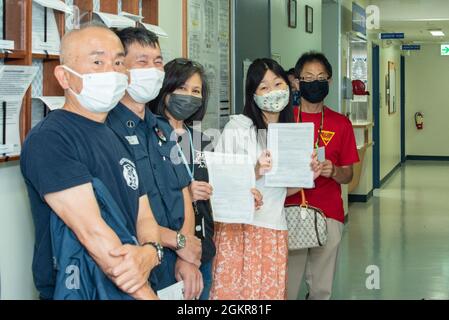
192 174
183 157
299 119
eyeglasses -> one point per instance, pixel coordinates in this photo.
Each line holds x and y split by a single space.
320 78
185 62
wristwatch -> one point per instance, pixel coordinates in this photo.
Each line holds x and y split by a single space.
180 241
159 250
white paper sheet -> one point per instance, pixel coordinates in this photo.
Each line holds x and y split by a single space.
55 4
232 178
115 21
14 81
53 41
52 103
291 147
156 29
174 292
131 16
6 45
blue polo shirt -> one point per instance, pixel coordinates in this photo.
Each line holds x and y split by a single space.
66 150
150 142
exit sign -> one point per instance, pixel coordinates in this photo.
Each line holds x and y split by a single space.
445 49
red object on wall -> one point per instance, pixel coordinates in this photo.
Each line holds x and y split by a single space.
419 120
358 88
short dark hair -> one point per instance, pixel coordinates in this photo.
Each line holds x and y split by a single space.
313 56
177 72
291 72
139 35
256 73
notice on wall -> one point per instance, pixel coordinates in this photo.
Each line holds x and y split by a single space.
14 82
208 44
45 35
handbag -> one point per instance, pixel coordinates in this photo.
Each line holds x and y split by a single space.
307 226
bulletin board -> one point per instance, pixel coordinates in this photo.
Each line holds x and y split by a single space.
34 28
207 41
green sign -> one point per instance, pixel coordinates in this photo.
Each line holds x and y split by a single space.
445 49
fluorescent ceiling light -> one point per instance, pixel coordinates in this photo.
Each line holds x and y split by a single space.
437 33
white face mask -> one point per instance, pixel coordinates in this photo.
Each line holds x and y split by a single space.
274 101
101 91
145 84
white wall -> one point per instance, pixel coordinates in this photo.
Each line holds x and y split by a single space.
290 43
16 236
427 78
390 124
170 20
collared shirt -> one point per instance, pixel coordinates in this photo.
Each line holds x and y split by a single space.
163 179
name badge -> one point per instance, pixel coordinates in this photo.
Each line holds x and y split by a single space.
321 153
132 140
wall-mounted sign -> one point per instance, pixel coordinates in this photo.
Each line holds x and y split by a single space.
411 47
358 18
445 49
397 35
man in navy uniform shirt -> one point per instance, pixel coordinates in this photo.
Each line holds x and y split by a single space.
68 149
166 183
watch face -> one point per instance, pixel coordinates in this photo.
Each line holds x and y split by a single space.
181 241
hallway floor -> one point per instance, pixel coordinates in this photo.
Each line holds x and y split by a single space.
404 231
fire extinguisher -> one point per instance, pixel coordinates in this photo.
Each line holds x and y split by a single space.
419 120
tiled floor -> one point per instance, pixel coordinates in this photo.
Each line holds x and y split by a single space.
404 231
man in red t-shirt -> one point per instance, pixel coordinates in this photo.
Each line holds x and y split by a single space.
336 146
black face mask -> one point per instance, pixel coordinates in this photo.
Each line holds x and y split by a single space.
315 91
182 107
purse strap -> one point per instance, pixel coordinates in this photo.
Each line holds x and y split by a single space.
304 202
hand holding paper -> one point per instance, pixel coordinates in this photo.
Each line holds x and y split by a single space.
174 292
264 164
232 178
291 146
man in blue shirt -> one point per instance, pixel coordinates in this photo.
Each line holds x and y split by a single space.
67 150
166 183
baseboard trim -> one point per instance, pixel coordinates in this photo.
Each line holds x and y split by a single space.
360 197
428 158
388 176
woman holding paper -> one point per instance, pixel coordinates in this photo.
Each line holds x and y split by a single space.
183 102
251 260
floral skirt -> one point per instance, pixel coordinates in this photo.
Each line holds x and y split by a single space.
250 264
